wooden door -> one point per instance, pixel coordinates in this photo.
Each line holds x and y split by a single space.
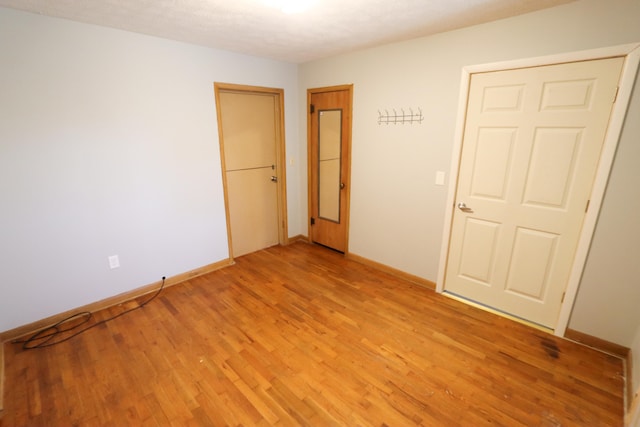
250 132
329 145
531 147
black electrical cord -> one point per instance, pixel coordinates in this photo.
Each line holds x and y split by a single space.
43 337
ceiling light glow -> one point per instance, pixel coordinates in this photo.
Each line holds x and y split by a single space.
290 6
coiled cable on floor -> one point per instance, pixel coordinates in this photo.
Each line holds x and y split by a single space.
46 337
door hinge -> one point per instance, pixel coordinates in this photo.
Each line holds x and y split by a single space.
615 97
313 221
586 208
312 108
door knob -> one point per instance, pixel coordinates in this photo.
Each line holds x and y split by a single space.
463 207
342 185
274 178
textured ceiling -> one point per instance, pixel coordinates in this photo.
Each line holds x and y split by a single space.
326 28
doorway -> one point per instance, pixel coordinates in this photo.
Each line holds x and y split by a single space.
250 127
532 144
329 165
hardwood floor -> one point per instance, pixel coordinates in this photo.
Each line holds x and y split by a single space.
298 335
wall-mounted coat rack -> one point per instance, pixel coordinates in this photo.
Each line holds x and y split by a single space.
400 118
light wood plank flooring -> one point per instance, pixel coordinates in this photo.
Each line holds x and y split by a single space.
298 335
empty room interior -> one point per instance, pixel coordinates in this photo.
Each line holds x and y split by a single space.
261 212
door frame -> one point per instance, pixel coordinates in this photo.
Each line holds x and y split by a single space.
631 53
347 140
278 94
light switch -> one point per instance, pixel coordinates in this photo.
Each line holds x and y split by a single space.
114 261
440 178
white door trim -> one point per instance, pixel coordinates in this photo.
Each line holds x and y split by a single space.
631 52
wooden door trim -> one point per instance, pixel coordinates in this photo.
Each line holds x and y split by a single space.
283 223
347 139
631 53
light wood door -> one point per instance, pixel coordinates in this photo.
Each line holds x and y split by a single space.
249 133
329 165
530 151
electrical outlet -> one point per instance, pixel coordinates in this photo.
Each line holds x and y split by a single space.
114 262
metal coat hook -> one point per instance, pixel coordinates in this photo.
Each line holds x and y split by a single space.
401 118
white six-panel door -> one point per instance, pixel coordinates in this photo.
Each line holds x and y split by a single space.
531 146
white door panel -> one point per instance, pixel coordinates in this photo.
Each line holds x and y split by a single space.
530 151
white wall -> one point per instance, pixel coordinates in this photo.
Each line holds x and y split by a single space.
610 285
397 211
109 145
